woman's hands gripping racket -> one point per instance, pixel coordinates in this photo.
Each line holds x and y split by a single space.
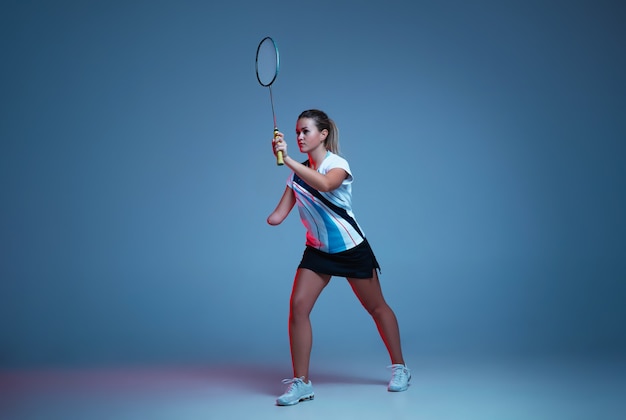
267 65
279 145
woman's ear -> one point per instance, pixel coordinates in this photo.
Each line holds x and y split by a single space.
324 134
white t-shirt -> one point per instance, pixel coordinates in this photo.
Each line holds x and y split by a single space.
327 216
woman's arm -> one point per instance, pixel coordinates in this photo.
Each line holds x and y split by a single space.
321 182
283 208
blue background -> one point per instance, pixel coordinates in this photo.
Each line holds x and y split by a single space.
487 141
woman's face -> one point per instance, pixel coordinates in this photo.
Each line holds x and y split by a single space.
309 137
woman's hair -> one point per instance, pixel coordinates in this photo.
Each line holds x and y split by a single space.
322 122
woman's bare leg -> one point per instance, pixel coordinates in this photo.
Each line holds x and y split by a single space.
369 293
307 287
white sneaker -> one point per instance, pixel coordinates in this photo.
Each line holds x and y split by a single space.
298 391
400 377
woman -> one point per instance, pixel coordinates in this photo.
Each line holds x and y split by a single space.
335 246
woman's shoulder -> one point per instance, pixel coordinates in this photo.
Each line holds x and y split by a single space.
333 160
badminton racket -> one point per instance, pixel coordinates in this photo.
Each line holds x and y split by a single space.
267 64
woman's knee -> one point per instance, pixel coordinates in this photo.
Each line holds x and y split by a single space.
379 310
299 309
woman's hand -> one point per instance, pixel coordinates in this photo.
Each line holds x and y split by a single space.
279 144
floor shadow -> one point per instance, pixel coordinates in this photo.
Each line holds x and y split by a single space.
263 379
267 379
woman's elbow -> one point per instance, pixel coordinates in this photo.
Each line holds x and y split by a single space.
327 187
274 220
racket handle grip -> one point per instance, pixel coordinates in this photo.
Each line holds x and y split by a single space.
279 154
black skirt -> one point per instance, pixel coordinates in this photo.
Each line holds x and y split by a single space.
358 262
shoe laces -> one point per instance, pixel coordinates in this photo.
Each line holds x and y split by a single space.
294 383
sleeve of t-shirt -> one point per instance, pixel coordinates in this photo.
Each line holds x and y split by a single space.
336 161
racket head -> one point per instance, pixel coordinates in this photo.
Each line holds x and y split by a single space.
267 61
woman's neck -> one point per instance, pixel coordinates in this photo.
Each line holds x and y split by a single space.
316 157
